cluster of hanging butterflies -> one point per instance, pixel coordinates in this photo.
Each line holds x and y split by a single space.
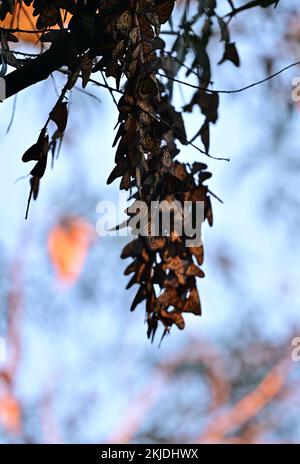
122 39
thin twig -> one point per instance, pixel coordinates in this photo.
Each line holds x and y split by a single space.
28 202
109 89
12 114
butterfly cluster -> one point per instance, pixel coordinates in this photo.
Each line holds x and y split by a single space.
122 39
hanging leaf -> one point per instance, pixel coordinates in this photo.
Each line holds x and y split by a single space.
139 297
86 66
231 54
